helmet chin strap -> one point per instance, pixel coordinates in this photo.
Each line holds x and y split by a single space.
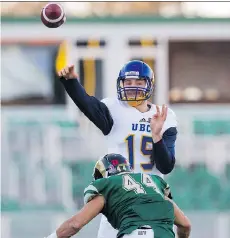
134 103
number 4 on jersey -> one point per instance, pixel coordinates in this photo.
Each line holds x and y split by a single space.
130 184
148 182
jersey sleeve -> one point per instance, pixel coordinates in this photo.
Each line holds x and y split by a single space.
94 189
108 102
165 188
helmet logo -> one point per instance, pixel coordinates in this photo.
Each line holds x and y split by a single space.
114 162
133 73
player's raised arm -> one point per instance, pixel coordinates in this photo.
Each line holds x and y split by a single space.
96 111
164 145
73 225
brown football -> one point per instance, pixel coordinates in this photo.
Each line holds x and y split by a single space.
53 15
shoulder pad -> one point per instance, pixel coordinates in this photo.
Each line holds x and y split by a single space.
109 101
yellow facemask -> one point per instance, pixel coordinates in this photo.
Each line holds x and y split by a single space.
134 103
139 100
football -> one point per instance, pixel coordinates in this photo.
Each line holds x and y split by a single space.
53 15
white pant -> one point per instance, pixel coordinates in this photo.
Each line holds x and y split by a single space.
140 233
106 230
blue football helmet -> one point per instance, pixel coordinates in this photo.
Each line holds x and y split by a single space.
135 69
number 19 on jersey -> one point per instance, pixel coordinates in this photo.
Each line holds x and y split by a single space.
144 151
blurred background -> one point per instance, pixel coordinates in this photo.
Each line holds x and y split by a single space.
49 148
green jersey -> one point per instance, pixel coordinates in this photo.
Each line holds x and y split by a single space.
135 200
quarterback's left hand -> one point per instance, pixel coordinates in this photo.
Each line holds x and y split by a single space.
157 123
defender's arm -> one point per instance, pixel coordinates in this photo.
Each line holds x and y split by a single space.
164 151
181 221
96 111
83 217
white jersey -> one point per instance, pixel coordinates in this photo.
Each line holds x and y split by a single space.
131 137
131 134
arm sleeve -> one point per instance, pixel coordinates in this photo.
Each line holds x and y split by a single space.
163 154
165 188
96 188
90 192
95 110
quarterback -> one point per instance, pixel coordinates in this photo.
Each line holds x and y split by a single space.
135 128
136 204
